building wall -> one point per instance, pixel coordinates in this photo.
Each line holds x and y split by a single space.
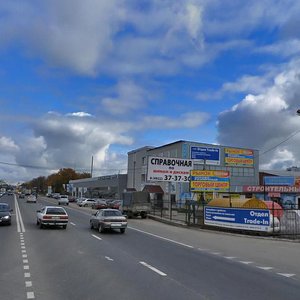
115 182
137 167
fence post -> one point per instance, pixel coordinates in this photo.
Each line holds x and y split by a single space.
171 211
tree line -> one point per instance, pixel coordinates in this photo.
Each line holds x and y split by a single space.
57 181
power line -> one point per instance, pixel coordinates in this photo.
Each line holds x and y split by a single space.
274 147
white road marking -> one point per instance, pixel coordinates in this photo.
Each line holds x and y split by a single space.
265 268
24 255
201 249
153 269
286 274
96 237
28 284
26 275
26 267
229 257
161 237
23 247
246 262
216 253
20 224
25 261
72 223
23 251
30 295
108 258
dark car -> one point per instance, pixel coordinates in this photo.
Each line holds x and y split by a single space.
108 219
5 214
100 204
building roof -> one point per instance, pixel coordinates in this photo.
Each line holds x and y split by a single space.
155 189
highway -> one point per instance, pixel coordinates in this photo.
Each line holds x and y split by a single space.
151 260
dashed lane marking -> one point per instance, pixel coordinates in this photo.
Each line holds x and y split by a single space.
97 237
153 269
286 275
265 268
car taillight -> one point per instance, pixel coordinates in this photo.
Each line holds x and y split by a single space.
47 217
64 217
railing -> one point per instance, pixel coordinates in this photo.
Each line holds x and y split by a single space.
284 222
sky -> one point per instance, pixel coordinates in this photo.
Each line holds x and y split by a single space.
99 78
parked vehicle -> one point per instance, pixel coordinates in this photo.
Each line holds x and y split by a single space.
79 200
22 196
71 198
108 219
116 204
5 214
87 202
31 199
100 204
56 195
63 200
52 216
136 204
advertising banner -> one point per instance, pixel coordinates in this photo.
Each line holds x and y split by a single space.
213 181
271 189
169 169
239 157
248 219
279 180
207 155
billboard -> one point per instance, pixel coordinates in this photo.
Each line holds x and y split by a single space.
207 155
213 181
238 157
279 180
169 169
248 219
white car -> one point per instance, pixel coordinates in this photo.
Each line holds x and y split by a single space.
31 199
87 202
52 216
63 200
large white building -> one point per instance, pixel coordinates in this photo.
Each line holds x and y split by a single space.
243 165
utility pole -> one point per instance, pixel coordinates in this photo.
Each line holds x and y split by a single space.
92 165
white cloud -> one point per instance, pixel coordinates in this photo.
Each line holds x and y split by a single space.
185 120
129 98
265 120
7 145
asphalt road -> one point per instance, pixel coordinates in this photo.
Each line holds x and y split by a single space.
150 261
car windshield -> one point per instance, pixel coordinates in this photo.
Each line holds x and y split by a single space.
55 211
4 207
112 213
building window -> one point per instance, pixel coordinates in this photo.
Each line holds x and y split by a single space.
144 160
143 178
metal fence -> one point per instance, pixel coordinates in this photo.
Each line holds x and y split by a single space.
284 222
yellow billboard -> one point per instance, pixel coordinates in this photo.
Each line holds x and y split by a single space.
239 157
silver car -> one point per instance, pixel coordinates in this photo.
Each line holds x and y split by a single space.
108 219
52 216
63 200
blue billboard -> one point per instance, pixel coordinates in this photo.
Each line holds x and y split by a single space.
238 218
207 155
279 180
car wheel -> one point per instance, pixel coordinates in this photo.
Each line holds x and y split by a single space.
64 226
37 222
41 225
122 230
85 205
100 228
91 225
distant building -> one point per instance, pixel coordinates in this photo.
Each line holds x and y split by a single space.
111 186
243 165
